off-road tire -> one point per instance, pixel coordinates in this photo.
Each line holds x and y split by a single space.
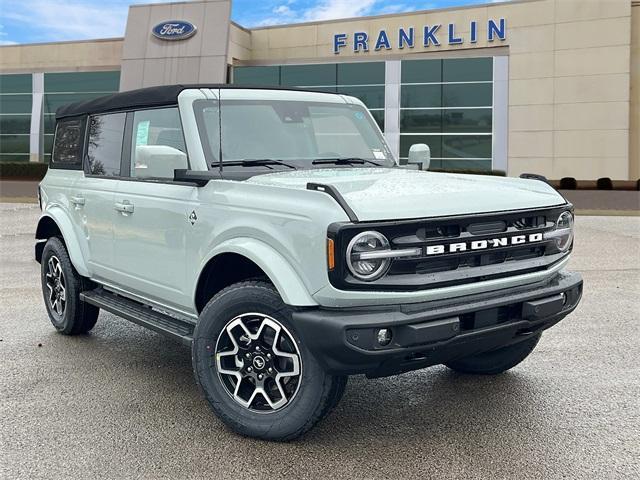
317 394
495 361
77 316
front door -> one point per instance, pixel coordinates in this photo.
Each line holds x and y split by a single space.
153 214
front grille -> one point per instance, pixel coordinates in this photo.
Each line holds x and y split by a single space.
443 263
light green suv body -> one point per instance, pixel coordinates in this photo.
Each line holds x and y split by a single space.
171 243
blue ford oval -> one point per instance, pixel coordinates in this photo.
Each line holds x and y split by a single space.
174 30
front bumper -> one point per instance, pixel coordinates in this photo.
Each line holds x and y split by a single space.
434 332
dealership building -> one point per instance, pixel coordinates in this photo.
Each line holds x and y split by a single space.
543 86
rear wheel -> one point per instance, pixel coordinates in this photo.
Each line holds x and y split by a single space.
495 361
257 376
61 287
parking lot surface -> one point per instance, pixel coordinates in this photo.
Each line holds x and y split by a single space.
122 402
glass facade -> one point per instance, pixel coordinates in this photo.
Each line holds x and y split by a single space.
448 104
16 106
445 103
68 87
363 80
15 116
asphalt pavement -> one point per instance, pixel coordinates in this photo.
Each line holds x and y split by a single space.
121 402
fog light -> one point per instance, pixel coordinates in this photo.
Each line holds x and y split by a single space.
384 337
564 299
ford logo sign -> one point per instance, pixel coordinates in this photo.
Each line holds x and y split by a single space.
174 30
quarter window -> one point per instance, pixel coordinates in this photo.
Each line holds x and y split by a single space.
104 150
67 152
157 144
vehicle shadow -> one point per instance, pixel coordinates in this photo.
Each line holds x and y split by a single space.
429 403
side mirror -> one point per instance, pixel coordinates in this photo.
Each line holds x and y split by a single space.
420 154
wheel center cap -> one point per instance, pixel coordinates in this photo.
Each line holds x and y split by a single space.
259 362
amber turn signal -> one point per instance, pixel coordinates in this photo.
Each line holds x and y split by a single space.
331 254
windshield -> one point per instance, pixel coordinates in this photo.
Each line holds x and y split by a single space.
294 133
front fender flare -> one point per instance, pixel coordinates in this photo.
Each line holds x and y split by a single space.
62 220
286 280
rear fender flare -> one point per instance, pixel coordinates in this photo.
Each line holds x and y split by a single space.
62 220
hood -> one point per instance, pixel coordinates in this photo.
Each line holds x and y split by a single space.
398 193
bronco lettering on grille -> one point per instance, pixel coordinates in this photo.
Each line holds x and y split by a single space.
484 244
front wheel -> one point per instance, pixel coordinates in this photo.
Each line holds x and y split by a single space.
256 374
495 361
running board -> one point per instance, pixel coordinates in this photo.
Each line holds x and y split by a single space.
142 315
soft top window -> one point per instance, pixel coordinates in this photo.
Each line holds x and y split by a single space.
67 147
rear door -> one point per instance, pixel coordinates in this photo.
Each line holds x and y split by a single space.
154 214
94 195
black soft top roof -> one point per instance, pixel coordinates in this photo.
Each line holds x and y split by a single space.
143 97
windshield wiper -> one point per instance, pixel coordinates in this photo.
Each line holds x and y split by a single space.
344 161
249 162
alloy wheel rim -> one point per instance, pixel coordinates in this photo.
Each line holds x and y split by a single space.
56 285
258 363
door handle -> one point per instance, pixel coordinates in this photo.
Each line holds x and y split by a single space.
124 207
77 201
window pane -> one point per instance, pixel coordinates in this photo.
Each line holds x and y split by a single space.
256 75
467 121
68 146
467 95
158 146
466 146
433 141
14 157
373 97
378 116
421 121
361 73
82 82
49 121
53 101
467 69
15 83
14 143
48 144
421 71
327 89
308 75
421 96
15 124
105 144
464 164
15 103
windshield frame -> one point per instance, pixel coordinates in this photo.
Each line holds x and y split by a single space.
213 157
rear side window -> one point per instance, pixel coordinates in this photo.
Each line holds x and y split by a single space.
67 147
104 144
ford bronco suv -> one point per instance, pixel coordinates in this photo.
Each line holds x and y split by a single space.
273 232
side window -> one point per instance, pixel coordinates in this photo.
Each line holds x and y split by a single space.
157 144
67 147
104 149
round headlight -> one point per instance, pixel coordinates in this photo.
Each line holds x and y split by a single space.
365 267
563 233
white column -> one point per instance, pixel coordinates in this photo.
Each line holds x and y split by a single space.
35 137
500 113
392 105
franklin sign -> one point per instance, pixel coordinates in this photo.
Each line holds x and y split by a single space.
426 37
173 30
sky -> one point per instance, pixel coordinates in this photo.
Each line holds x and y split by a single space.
32 21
